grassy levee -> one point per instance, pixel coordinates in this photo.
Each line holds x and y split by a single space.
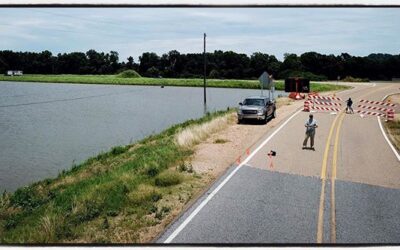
128 194
180 82
393 127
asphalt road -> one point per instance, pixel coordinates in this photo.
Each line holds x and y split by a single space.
346 191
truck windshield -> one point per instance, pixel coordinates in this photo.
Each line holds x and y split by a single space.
254 102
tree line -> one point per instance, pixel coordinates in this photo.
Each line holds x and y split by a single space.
220 64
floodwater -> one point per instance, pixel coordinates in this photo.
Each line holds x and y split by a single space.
45 128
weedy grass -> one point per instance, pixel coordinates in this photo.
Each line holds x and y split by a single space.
168 178
283 101
126 195
393 129
122 79
220 141
192 135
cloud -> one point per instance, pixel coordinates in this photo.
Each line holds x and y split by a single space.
132 31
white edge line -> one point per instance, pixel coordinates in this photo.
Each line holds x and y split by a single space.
387 139
212 194
385 136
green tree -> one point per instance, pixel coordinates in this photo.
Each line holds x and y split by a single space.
153 72
130 63
148 60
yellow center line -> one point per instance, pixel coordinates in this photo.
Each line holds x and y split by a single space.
333 177
333 213
326 152
336 146
320 228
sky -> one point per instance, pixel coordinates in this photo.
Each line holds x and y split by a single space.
132 31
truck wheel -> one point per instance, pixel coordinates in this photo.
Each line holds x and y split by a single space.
274 114
239 121
265 120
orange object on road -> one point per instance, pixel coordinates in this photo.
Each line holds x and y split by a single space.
296 96
306 106
386 112
390 115
363 112
238 160
312 95
327 109
327 98
248 151
379 103
324 101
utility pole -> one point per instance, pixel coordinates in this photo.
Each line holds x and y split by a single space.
205 70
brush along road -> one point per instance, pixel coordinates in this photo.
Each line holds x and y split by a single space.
346 191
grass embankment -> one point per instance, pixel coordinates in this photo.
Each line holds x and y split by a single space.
393 127
128 194
118 80
394 132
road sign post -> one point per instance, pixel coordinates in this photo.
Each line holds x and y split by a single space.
261 89
272 86
264 81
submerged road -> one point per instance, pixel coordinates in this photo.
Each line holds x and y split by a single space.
346 191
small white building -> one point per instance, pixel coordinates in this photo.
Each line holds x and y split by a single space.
14 73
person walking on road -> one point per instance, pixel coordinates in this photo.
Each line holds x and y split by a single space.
311 125
349 108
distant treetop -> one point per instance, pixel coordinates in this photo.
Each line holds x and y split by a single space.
220 64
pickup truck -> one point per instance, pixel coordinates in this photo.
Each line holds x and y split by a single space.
257 108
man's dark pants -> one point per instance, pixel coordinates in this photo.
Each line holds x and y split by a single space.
311 136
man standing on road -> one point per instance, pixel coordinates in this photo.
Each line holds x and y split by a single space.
349 108
310 125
